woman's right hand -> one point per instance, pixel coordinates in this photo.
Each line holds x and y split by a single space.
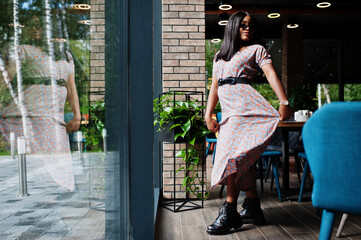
212 125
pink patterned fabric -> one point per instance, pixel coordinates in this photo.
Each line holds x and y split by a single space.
45 109
248 120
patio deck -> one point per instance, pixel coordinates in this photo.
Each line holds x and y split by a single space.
284 220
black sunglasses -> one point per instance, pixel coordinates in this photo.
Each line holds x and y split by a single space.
35 24
244 26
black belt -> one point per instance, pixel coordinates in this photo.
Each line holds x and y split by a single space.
41 80
233 80
46 81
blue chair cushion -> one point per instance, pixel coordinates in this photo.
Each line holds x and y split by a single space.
332 140
272 154
302 155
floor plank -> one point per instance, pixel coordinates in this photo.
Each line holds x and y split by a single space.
282 217
272 230
250 231
194 232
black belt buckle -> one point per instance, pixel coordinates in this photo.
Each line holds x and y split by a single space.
221 81
233 80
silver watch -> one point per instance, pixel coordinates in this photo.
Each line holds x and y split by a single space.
284 102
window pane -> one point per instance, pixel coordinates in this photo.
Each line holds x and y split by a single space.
52 88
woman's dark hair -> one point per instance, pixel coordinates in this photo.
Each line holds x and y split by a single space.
232 41
59 51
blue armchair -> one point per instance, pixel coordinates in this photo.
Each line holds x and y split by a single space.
332 141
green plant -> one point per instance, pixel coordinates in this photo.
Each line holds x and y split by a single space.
303 96
93 130
186 120
4 146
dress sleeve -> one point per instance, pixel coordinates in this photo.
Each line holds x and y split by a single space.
262 56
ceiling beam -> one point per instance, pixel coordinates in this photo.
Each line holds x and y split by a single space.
286 10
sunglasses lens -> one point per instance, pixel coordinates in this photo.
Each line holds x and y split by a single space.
244 26
35 25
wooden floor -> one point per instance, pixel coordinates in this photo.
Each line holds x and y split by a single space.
284 220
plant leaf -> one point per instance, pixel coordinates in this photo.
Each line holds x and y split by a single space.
181 153
175 125
187 126
177 135
179 170
185 181
192 141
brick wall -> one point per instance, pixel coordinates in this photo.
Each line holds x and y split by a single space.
183 39
97 50
183 45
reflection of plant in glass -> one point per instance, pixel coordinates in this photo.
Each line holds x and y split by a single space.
303 96
93 131
4 146
188 125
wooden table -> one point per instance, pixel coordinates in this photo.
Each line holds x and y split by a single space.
286 127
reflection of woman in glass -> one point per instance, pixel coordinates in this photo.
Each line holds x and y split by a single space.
47 81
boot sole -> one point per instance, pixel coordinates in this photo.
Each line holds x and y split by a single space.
254 221
223 232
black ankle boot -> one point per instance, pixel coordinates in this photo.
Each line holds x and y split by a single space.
252 212
227 219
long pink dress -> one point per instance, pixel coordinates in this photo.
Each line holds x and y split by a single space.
46 134
248 120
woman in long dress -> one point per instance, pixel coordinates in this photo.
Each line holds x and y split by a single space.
35 106
248 120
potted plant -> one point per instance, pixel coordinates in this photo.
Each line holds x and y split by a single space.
184 119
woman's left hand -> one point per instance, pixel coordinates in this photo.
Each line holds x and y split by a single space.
285 112
73 125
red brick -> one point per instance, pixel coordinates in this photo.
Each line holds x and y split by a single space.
170 63
97 42
196 2
200 63
201 56
187 42
185 28
198 77
167 28
200 8
170 15
97 77
171 84
175 77
177 21
181 8
197 35
167 56
169 42
186 70
192 84
96 63
175 2
168 70
191 15
197 22
175 35
188 49
200 49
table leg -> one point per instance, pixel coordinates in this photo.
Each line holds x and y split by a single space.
285 160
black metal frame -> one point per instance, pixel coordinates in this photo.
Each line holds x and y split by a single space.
183 204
